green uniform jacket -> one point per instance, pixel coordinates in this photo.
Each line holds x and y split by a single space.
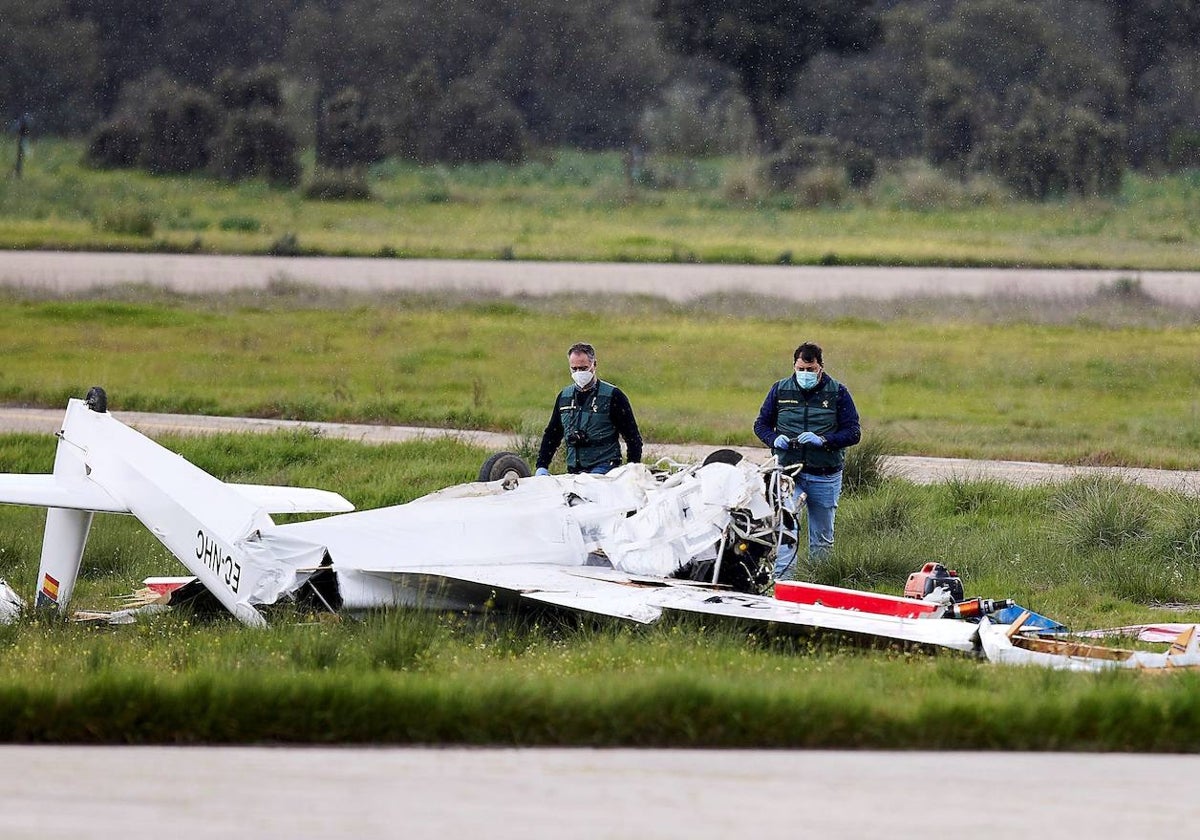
593 419
809 411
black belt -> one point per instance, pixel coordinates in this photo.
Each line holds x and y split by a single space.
820 470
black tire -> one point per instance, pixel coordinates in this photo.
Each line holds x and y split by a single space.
504 465
723 456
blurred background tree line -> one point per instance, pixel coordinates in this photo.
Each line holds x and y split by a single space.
1052 96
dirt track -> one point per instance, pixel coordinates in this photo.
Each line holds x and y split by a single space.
919 470
72 272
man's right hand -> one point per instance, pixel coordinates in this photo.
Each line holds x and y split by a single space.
781 442
541 471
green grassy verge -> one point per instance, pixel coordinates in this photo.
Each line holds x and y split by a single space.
1108 383
576 206
821 703
1091 553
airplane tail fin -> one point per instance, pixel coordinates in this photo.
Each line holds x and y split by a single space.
210 526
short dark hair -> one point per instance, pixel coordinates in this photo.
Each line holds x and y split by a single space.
809 352
582 347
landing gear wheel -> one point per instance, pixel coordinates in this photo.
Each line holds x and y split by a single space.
723 456
503 466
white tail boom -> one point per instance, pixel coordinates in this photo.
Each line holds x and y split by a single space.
102 465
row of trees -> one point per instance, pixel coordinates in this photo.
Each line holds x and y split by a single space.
1052 95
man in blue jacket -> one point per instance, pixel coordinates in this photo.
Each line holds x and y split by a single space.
590 414
809 419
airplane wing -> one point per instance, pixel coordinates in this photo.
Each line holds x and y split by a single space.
53 491
606 592
275 499
761 609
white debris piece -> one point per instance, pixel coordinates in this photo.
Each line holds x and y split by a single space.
11 603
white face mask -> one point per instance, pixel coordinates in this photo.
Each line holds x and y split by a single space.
807 378
582 377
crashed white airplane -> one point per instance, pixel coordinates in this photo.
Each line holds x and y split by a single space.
633 544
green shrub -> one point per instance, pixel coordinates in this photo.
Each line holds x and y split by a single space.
887 510
254 140
742 182
1125 289
256 143
926 189
686 122
180 123
1177 532
244 224
1050 152
345 137
115 144
823 186
951 124
287 245
808 163
250 90
476 124
412 135
800 154
1183 149
1093 153
861 165
338 185
127 221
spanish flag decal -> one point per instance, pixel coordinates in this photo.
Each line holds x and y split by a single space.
50 588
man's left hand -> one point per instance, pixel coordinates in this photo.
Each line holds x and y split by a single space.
810 438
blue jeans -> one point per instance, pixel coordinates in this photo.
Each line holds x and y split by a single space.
821 506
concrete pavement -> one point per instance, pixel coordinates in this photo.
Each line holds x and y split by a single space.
66 272
356 792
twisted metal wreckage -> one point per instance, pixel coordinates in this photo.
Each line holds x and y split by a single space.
636 544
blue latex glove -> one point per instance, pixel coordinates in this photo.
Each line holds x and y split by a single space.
541 471
781 442
809 437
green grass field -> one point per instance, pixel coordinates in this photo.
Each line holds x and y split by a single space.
1071 392
576 206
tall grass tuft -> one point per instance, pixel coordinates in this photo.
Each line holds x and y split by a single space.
885 511
1178 534
1101 513
883 563
401 640
963 495
865 466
